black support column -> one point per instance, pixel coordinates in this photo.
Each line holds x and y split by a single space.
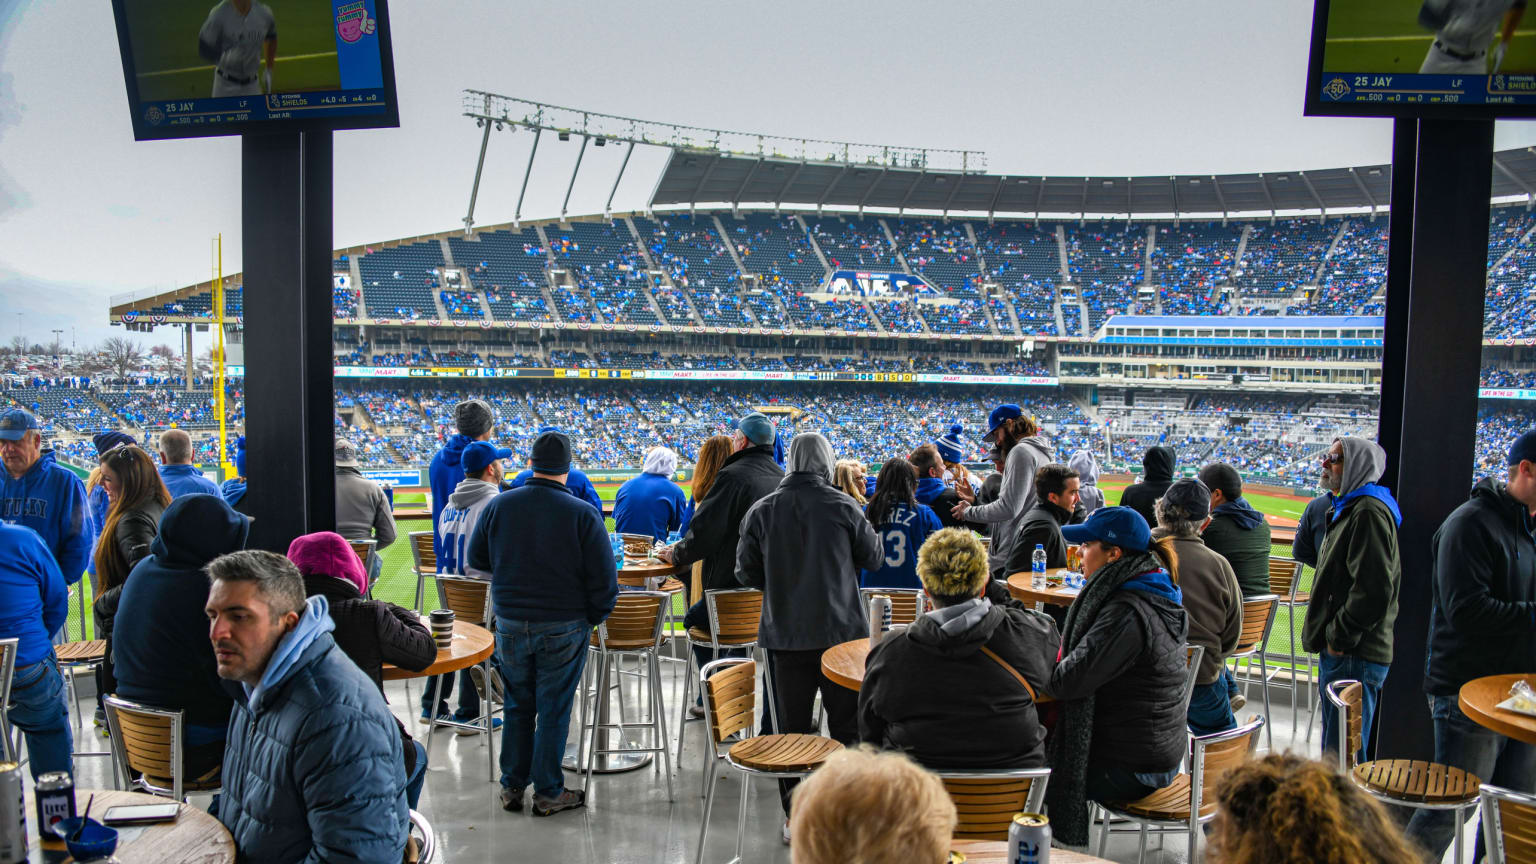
1434 334
286 215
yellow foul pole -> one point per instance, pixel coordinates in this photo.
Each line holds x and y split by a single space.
218 357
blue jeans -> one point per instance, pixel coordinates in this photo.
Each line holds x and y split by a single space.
375 567
1370 675
418 777
39 711
1210 709
1492 757
541 663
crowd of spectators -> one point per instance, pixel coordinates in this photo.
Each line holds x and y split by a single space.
1519 378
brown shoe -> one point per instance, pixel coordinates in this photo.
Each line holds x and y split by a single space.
570 799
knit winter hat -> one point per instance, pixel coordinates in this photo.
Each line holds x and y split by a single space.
473 417
551 454
105 441
950 448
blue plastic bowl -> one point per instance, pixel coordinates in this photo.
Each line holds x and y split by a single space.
96 841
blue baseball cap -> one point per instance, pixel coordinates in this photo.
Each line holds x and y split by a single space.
15 423
479 454
1117 526
1523 450
1004 412
756 427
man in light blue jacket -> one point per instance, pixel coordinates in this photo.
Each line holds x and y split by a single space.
313 767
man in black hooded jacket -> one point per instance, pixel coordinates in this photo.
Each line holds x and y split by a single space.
1482 622
1156 476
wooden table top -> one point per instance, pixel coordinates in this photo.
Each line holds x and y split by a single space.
996 852
637 570
1018 586
471 645
844 664
1479 696
194 838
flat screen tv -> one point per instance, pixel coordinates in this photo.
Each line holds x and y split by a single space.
1422 58
198 68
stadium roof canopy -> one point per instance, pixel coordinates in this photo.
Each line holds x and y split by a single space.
697 177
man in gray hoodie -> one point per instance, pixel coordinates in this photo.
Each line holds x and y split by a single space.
1089 496
1025 451
362 510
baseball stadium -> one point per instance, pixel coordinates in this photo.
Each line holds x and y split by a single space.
884 298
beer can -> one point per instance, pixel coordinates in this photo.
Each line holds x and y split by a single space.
1029 839
13 815
55 794
879 617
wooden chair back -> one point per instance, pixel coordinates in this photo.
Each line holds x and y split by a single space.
635 621
148 741
730 696
1284 577
470 599
1347 697
906 603
1192 657
734 614
1214 756
423 553
1509 825
986 801
361 548
1258 615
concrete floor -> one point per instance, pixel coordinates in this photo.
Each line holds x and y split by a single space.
628 817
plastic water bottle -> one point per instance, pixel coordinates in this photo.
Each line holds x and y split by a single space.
1037 568
674 538
617 544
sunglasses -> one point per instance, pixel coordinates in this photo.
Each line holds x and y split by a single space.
1332 458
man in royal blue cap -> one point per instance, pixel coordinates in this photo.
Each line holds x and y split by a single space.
1482 622
1024 451
575 480
39 493
552 581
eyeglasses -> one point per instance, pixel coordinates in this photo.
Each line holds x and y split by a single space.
1332 458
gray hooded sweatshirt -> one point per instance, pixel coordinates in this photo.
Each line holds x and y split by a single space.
1087 467
1016 498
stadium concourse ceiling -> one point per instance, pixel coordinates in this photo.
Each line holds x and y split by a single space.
699 177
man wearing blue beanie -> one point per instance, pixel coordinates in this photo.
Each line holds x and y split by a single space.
1482 622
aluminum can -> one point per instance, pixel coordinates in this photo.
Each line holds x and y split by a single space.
13 815
55 794
879 617
1029 839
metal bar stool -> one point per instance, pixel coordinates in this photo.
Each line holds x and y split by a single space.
149 741
633 629
986 801
469 599
424 561
1509 825
8 748
734 615
1258 620
906 603
1285 583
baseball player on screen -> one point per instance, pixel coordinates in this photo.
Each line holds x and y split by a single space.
234 38
1463 29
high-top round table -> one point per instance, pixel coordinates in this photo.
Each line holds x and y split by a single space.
194 838
1019 585
844 664
471 645
637 570
1479 696
996 852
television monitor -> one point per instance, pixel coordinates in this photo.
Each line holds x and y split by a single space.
1422 58
198 68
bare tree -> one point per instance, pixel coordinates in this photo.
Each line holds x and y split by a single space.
18 345
165 352
122 355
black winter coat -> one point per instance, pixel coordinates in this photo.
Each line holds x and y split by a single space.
937 698
1042 526
1132 661
372 632
1157 476
746 478
134 537
1483 617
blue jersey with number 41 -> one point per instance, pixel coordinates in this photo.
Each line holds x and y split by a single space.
902 532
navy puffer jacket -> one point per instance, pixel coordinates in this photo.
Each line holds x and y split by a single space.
314 772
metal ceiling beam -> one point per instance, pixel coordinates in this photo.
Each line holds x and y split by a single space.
1220 198
778 198
996 193
870 191
951 199
827 193
1268 197
1364 190
1498 165
1315 197
751 172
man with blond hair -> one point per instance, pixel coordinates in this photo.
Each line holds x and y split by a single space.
878 808
973 663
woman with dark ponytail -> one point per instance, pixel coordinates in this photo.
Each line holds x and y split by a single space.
1120 681
903 525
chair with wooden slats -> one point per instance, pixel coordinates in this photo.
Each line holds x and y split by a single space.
1410 783
632 629
148 741
1285 583
734 614
8 746
75 658
1190 800
1509 825
1193 654
730 708
470 600
1258 620
423 560
906 603
986 801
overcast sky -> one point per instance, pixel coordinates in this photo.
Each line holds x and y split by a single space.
1092 87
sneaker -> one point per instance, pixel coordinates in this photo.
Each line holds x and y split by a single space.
786 832
512 799
1238 702
442 717
695 712
100 719
477 675
472 723
570 799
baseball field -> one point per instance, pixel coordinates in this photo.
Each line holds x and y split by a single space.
1385 36
168 66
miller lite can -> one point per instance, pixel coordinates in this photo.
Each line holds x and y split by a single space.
13 815
1029 839
55 793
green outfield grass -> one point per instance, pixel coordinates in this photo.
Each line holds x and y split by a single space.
1385 36
169 67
